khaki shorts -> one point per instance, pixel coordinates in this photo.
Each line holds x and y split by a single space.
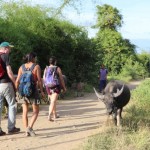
34 99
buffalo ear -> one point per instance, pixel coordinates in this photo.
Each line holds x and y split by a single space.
100 97
118 93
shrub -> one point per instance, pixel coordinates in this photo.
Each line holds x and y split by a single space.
134 70
141 94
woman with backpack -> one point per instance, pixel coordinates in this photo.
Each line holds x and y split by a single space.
26 84
53 81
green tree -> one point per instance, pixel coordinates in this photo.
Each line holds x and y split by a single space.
113 49
47 36
108 17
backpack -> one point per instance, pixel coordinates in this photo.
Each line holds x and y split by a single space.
27 83
2 71
51 77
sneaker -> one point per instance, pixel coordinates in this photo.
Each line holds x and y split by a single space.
27 134
2 133
30 132
14 130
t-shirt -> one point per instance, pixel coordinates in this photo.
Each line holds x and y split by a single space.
103 74
5 62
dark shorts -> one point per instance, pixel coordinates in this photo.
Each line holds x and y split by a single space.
53 90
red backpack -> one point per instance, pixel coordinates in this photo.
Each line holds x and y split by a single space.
2 71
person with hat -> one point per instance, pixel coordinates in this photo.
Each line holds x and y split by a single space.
7 91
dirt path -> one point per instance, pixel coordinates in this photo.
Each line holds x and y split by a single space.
79 118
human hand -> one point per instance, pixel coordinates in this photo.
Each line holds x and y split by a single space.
43 94
43 97
64 90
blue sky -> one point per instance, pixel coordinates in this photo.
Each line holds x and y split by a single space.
136 18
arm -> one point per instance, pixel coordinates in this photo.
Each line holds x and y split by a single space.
99 75
18 78
40 82
61 79
44 74
10 74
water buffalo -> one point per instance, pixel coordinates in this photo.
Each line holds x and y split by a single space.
115 96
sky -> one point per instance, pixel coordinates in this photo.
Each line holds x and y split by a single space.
136 18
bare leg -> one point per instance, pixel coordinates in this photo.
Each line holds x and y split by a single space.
25 114
35 115
52 107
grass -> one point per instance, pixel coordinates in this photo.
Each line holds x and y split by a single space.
114 139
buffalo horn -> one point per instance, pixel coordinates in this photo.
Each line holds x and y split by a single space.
118 92
101 97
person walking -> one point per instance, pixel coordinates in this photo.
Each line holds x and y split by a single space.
102 78
7 91
53 80
34 99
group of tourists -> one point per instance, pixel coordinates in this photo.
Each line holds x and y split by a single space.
28 84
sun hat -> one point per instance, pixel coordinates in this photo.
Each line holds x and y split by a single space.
6 44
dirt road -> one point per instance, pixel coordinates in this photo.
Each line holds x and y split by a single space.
79 118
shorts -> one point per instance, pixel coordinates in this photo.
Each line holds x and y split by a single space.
33 99
53 90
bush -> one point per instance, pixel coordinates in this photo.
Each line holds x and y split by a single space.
141 94
119 77
134 70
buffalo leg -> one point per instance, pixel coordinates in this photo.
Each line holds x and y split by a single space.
119 111
114 117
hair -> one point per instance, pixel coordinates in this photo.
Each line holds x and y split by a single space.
29 57
52 60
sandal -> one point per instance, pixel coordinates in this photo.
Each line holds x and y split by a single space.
57 116
50 118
